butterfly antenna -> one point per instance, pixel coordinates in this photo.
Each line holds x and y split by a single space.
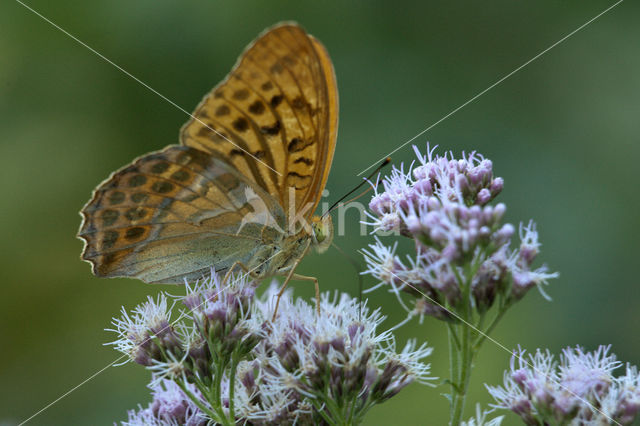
358 267
364 181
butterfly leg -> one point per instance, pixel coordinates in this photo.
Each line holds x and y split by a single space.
315 282
240 265
301 278
290 275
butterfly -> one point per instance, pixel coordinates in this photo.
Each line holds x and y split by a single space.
241 187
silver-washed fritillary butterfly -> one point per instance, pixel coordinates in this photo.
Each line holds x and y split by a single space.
241 187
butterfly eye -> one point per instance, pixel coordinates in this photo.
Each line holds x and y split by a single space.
322 232
318 232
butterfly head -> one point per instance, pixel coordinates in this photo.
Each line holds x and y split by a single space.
322 232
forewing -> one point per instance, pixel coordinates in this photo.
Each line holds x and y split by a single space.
173 214
274 117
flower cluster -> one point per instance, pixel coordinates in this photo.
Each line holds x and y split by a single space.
580 389
170 406
461 244
225 360
334 366
220 326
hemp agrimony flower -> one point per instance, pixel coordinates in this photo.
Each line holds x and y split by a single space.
580 389
170 406
442 204
335 365
464 263
224 360
202 348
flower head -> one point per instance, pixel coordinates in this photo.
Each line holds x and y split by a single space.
216 324
170 406
443 204
147 332
337 359
579 389
222 313
237 365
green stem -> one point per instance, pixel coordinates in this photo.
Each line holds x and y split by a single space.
494 322
464 370
462 364
454 363
319 409
232 385
350 409
453 336
196 400
217 393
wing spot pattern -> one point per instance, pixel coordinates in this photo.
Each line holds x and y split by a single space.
299 103
276 68
304 160
276 100
274 129
109 239
222 110
241 124
135 213
228 181
181 176
297 180
241 94
257 107
162 187
116 197
160 167
135 233
297 145
109 217
218 136
139 197
204 131
289 60
137 180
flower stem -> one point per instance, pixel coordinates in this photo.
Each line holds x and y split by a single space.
454 363
232 382
494 322
197 400
465 358
461 365
217 394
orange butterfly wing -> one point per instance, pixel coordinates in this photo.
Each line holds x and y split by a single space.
274 117
268 129
171 215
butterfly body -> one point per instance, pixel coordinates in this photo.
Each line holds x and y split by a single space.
243 184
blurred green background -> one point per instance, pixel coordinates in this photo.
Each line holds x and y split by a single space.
563 132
